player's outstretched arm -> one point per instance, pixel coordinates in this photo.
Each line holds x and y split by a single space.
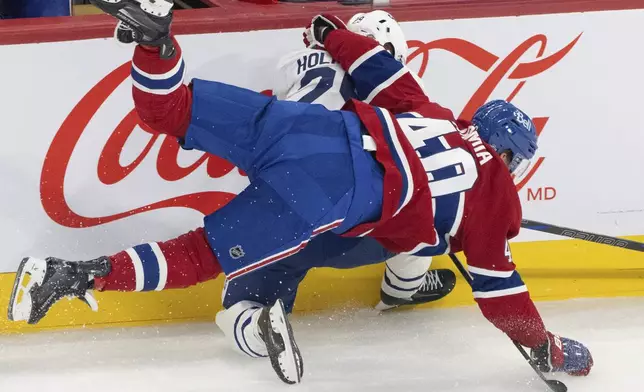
505 301
379 79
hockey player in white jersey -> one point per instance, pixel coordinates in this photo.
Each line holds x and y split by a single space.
311 75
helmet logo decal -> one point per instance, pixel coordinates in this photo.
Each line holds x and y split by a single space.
524 121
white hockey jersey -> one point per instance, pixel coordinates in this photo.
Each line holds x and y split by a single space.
311 75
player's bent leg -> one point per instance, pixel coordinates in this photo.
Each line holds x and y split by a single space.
263 331
276 216
408 281
306 182
256 132
180 262
237 124
243 297
244 300
267 285
177 263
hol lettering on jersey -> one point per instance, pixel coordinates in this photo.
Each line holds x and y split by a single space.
312 60
471 135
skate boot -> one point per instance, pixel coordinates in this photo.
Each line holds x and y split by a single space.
283 352
41 283
436 285
123 33
149 21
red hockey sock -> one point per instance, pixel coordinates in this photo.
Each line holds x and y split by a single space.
180 262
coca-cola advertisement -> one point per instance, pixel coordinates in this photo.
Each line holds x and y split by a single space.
82 177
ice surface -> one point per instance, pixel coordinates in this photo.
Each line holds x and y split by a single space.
416 350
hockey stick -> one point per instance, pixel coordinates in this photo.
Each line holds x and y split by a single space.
555 385
582 235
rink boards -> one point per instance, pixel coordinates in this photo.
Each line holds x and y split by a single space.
553 270
86 180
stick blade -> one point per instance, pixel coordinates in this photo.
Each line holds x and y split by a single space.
557 386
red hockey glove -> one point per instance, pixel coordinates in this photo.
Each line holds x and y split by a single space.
320 27
563 355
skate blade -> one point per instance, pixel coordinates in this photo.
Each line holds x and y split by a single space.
153 7
90 300
158 8
381 307
288 359
30 273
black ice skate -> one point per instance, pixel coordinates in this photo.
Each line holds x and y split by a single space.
123 33
149 21
41 283
282 350
437 284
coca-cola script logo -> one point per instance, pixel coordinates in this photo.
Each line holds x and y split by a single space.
110 171
506 69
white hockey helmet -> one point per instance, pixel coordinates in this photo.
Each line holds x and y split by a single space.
382 27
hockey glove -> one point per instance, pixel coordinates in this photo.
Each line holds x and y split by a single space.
563 355
148 21
320 27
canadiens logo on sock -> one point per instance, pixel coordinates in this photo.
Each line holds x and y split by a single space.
236 252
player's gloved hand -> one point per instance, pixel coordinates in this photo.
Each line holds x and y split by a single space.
320 27
563 355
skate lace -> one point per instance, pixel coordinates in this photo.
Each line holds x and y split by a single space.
432 281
